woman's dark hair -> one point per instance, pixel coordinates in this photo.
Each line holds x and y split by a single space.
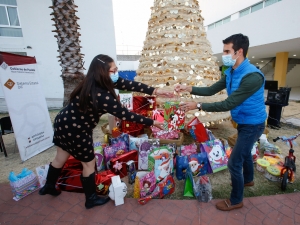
238 41
97 76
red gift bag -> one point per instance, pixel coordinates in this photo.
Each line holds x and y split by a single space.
118 164
141 103
103 181
132 128
197 130
158 115
69 179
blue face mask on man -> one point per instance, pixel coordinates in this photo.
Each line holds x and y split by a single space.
114 77
228 60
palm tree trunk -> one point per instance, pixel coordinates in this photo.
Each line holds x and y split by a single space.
70 58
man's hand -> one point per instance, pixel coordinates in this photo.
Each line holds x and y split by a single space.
182 88
187 106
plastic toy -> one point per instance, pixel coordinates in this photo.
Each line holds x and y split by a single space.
289 167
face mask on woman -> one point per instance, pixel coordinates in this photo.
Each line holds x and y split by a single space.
228 60
114 77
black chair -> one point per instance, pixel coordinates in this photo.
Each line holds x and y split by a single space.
6 128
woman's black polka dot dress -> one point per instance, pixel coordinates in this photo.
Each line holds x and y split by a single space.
73 130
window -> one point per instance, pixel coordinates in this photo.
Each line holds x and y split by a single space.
211 26
270 2
226 20
218 23
19 53
244 12
9 19
256 7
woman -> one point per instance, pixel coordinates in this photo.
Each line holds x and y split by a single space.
74 124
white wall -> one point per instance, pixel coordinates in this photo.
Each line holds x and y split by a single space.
97 30
293 77
128 65
274 23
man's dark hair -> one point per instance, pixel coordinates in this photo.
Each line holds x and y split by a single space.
238 41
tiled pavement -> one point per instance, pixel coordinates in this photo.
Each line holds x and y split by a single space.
68 208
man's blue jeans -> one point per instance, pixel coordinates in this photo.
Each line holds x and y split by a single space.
240 163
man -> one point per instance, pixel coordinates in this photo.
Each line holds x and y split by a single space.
245 87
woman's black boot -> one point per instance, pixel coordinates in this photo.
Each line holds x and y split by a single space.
49 187
89 187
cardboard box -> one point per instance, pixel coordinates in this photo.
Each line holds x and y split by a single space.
118 188
113 122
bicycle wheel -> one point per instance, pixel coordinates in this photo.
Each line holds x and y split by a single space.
284 180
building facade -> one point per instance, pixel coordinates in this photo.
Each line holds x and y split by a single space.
26 28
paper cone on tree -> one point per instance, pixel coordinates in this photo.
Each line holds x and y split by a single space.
176 50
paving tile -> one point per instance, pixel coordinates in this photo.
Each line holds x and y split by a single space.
7 217
133 216
297 218
257 200
295 197
196 221
34 219
167 218
129 222
234 221
18 220
219 217
113 221
252 220
205 219
236 215
63 223
150 220
265 208
45 210
256 213
5 208
100 218
289 203
36 205
48 222
189 214
120 214
182 220
287 211
78 209
68 208
54 216
82 220
68 217
27 211
269 221
287 221
275 215
64 207
274 203
158 210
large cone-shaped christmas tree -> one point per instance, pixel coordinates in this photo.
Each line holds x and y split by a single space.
176 50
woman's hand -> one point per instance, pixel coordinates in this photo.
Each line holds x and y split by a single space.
182 88
163 93
158 124
187 106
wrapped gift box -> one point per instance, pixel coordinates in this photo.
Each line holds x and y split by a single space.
118 165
